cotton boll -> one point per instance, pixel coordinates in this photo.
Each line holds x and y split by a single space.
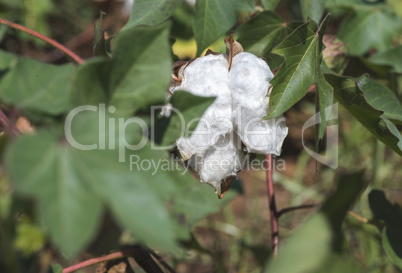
249 80
207 76
221 161
264 136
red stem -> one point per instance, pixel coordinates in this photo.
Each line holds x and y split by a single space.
43 38
93 261
272 205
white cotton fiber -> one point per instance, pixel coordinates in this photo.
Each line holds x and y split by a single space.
235 118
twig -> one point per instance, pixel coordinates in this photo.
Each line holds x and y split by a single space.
358 217
162 262
141 256
272 206
289 209
43 38
8 126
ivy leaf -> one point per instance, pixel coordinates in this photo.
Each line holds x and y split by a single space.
320 238
262 33
44 88
390 58
347 92
312 9
302 50
213 18
369 28
151 13
190 108
391 214
137 76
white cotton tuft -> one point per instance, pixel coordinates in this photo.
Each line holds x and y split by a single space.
249 82
214 150
207 77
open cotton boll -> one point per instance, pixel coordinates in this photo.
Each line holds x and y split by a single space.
207 76
249 82
222 160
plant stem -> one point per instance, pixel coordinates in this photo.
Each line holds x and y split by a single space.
93 261
68 52
141 256
272 205
7 125
289 209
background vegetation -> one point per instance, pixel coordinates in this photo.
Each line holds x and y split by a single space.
60 205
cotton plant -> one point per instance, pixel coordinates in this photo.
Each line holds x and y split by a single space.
233 125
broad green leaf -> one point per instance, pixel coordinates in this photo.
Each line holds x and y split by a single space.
369 28
312 9
314 244
90 83
303 52
187 108
262 33
270 4
151 13
137 76
68 209
213 18
6 59
71 183
391 58
140 70
381 98
391 214
347 92
35 86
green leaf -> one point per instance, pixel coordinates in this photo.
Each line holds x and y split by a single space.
99 47
72 183
312 9
56 268
212 19
347 92
315 243
262 33
302 50
190 108
270 4
140 71
390 58
381 98
391 214
68 209
43 88
369 28
137 76
151 13
325 93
